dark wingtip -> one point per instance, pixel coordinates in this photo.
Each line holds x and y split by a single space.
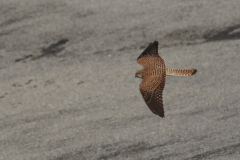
154 43
150 48
162 115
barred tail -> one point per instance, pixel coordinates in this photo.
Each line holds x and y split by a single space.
180 72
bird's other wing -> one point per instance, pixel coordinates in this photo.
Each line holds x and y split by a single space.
148 54
151 89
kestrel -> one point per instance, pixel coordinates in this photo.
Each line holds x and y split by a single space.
154 74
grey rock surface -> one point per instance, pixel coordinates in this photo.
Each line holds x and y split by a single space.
67 86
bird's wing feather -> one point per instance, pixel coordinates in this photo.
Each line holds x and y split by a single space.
148 54
151 89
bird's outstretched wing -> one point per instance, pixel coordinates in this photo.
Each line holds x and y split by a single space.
148 54
151 89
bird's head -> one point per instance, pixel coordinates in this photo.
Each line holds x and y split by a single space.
138 75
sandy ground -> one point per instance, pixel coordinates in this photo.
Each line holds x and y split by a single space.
67 86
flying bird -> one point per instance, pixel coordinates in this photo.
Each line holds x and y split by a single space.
153 77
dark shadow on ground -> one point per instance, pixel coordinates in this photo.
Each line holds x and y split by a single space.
219 152
226 34
52 49
197 35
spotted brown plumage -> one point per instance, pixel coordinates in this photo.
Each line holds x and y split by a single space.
154 75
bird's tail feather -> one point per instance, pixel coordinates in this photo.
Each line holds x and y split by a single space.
180 72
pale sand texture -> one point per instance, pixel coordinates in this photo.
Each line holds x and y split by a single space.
83 102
